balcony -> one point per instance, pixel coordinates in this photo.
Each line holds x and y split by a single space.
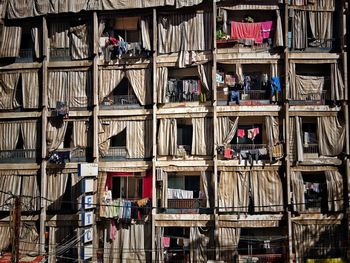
81 155
18 156
25 55
120 101
311 99
60 54
186 206
247 98
115 154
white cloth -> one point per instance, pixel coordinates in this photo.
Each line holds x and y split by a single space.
179 194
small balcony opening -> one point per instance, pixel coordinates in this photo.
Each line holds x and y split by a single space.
126 187
184 136
122 96
309 137
67 142
315 192
20 142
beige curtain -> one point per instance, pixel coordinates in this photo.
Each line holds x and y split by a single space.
80 134
8 85
140 80
9 135
233 192
128 246
292 91
199 241
308 87
299 29
30 193
337 83
167 137
228 239
298 188
59 35
272 130
58 89
335 191
109 80
207 186
278 38
145 33
79 36
296 141
109 128
10 185
36 38
226 130
10 41
202 136
162 84
29 133
239 73
321 25
135 139
267 191
79 86
331 136
204 71
29 239
30 89
55 132
5 233
274 70
56 186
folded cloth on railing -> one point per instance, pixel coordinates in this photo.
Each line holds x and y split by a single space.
276 85
228 153
179 194
246 31
262 151
277 151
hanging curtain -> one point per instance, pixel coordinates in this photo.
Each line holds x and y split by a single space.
321 28
12 184
5 233
202 136
308 87
56 186
58 89
167 137
199 241
36 38
30 89
162 84
55 133
109 80
272 130
145 33
10 41
29 238
335 191
207 186
331 136
8 85
228 240
278 38
296 141
337 83
292 85
239 73
204 71
140 80
29 132
298 189
299 29
59 38
80 134
226 130
80 86
30 193
266 187
159 244
135 139
79 36
109 129
233 191
274 70
9 135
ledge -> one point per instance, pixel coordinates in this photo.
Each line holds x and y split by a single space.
241 220
245 56
20 114
183 220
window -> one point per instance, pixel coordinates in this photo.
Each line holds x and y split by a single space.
189 183
127 187
119 140
309 133
67 143
315 191
19 145
184 134
125 27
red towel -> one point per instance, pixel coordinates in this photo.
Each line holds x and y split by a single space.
246 31
266 29
166 241
240 133
228 153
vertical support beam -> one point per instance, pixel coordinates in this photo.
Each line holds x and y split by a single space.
287 148
154 130
215 120
44 114
95 86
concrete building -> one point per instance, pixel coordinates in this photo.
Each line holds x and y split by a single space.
220 130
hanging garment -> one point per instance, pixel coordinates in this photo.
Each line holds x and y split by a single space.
113 230
166 241
240 133
246 31
275 85
234 96
228 153
252 133
266 29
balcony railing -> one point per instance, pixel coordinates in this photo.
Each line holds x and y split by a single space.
125 101
245 147
80 154
60 54
13 156
186 206
310 148
251 95
312 98
116 153
25 55
314 45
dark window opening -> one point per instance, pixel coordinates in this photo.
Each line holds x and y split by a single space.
19 94
20 142
184 134
67 202
315 191
309 133
67 143
192 183
119 140
126 187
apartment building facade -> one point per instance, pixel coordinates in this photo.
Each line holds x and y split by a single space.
220 129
